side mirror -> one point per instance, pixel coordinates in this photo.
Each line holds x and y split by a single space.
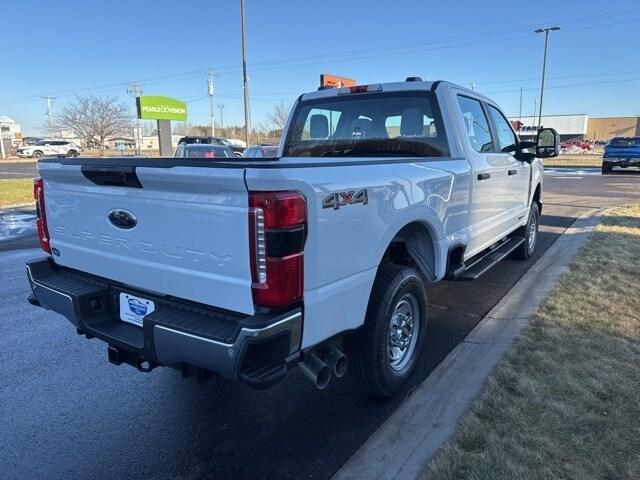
548 144
319 127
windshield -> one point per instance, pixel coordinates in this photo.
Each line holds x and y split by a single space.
625 142
42 142
370 124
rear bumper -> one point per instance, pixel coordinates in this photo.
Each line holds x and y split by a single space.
258 349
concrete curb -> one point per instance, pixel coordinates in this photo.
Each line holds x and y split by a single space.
404 445
9 208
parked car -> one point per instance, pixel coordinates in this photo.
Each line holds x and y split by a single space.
621 152
319 258
576 144
213 141
263 150
57 148
203 150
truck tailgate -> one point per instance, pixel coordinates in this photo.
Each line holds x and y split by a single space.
190 238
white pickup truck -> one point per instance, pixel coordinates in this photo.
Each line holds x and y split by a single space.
317 258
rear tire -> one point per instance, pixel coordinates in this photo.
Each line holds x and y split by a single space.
530 231
384 353
72 153
606 168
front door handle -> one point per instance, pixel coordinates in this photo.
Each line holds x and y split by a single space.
484 176
512 172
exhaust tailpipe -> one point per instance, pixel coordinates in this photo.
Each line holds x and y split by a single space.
336 360
317 371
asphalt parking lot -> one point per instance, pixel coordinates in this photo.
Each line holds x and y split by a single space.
18 169
66 412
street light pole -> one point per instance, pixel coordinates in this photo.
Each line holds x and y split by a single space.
245 83
546 31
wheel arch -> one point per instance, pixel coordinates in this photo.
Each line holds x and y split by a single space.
415 244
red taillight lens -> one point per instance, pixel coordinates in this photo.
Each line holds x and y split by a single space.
41 222
277 228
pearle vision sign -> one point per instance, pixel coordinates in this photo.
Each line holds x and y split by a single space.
161 108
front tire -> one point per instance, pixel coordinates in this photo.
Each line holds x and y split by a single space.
38 154
524 251
384 353
606 168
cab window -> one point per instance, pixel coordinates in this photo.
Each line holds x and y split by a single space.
507 140
476 123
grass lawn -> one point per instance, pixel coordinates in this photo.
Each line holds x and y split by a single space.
565 401
15 191
574 161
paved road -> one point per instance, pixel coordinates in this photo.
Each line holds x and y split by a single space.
18 170
65 412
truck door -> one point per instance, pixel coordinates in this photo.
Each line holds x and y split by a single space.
489 212
517 184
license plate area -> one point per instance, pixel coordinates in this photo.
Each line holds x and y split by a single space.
133 308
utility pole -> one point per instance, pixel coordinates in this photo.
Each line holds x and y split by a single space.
50 114
546 31
245 83
220 107
135 90
520 111
211 91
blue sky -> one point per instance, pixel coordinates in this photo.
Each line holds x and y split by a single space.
67 48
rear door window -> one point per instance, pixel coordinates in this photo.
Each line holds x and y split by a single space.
476 124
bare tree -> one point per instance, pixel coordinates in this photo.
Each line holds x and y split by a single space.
277 117
95 119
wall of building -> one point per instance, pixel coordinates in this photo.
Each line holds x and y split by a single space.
607 128
568 126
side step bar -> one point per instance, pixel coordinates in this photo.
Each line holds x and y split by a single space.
485 261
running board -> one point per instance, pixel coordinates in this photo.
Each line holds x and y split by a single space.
485 261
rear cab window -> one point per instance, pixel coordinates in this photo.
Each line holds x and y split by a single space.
386 124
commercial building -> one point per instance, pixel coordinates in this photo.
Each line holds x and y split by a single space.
603 129
570 127
10 130
579 127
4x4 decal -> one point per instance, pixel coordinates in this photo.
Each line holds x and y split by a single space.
340 199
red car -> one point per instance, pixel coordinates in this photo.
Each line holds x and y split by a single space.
581 144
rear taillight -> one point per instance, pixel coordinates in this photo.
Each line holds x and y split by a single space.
277 229
41 222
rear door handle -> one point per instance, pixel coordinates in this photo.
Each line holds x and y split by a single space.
484 176
513 172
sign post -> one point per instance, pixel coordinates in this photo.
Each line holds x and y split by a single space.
162 109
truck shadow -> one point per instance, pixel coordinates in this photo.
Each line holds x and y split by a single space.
293 430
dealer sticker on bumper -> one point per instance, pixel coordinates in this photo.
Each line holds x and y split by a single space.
133 309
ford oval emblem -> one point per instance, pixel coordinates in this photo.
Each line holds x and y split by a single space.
122 218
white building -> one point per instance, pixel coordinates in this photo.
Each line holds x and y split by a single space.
568 126
10 130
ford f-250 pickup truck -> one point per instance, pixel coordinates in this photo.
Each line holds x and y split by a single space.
317 258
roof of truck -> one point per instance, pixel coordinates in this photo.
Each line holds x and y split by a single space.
411 84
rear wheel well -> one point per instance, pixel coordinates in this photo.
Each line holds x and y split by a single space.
413 246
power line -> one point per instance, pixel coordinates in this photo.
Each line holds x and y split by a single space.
351 55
